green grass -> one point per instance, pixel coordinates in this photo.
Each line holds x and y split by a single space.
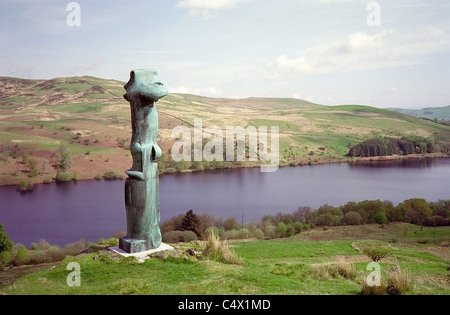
292 266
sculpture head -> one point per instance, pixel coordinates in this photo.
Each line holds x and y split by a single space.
144 83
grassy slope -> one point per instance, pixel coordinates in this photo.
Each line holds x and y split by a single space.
38 116
288 266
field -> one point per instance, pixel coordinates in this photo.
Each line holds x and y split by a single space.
90 117
304 264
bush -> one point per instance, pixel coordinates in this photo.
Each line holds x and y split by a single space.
399 282
380 218
25 186
189 236
259 234
179 237
372 290
111 175
220 251
351 218
375 252
232 235
5 243
5 257
344 269
21 255
63 177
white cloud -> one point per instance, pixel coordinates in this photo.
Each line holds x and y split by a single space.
207 8
361 51
209 91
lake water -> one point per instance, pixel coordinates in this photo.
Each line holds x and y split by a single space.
65 213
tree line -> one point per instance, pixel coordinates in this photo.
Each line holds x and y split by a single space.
390 146
190 226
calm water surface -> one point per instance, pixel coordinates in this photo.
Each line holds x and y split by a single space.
66 213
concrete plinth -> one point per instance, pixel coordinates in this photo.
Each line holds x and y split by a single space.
142 256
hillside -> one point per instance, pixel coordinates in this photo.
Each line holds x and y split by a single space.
316 262
89 116
439 113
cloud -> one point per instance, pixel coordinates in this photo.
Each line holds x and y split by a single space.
210 91
361 51
207 8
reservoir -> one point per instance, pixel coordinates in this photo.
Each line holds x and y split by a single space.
65 213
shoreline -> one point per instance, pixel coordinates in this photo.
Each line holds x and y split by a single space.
299 164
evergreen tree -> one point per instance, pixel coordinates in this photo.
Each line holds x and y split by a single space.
191 222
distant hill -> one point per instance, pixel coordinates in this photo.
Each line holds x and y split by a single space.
439 113
90 117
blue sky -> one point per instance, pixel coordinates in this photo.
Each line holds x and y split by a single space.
324 51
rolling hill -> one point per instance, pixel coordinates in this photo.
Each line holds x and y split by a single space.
90 117
439 113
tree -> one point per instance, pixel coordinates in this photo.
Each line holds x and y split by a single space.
5 243
63 158
380 218
191 222
231 224
351 218
282 229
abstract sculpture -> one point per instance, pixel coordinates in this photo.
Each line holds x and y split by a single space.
142 186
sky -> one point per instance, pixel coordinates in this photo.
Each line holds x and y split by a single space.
386 53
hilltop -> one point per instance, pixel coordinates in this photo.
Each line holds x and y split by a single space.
90 117
438 113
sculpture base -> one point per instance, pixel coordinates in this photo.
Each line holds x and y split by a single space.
133 245
142 256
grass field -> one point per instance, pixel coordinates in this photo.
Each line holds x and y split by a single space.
304 264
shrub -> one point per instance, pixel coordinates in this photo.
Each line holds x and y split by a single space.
351 218
399 282
282 229
44 245
111 175
21 255
218 250
372 290
119 234
25 186
189 236
34 172
259 234
5 257
63 177
380 218
5 243
173 237
232 235
344 269
375 252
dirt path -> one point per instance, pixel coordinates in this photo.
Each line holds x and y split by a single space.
9 276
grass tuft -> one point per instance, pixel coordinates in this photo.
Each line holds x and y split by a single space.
218 250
